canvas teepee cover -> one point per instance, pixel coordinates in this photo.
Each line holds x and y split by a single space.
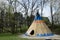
38 28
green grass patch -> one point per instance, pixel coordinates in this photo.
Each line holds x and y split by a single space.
6 36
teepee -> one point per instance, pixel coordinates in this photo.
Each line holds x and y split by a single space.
38 28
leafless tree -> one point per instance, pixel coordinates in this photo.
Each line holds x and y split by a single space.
29 5
54 6
43 3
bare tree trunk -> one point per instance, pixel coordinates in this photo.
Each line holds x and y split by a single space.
41 11
51 10
15 6
42 8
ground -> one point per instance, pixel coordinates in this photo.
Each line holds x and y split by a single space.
52 37
10 37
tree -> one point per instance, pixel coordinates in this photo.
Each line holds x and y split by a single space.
54 6
51 12
29 5
42 5
2 14
57 9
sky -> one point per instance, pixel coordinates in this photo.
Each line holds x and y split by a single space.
2 1
46 12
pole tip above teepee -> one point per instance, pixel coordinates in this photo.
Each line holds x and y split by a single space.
38 17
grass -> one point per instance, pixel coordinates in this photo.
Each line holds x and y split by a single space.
5 36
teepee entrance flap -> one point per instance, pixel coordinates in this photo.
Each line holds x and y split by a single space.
32 32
